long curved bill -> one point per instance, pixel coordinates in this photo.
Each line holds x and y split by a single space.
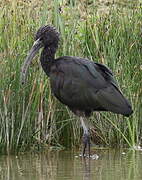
35 48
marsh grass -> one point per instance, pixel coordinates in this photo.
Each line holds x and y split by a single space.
30 117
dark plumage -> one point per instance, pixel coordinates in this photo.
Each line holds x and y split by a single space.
83 85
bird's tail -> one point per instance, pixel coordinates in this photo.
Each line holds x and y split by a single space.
113 100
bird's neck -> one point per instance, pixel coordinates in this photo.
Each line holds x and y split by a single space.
47 58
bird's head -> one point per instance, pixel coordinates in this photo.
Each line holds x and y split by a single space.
47 37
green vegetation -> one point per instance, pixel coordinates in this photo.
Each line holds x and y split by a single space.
30 117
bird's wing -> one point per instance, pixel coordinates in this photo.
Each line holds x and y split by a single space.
106 73
84 84
98 71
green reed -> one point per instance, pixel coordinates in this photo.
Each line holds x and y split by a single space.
30 117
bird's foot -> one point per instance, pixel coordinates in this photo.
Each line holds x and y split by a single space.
86 143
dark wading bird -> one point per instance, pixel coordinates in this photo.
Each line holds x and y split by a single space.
83 85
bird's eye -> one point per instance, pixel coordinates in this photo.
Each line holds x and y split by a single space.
41 38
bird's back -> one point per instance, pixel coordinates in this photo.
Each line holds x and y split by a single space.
87 86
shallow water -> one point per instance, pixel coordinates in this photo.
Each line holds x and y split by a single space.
111 165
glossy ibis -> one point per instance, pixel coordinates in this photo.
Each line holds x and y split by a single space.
82 85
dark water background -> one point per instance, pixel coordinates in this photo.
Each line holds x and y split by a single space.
111 165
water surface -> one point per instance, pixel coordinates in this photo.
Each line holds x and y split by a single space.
111 165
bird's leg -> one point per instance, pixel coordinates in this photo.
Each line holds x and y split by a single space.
86 136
